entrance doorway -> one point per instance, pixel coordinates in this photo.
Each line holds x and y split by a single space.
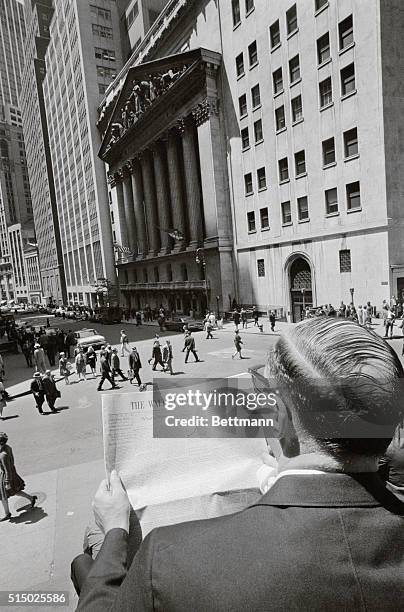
300 288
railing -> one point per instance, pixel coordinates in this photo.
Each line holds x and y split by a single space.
174 285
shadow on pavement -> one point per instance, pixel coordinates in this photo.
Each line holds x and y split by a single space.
7 418
30 517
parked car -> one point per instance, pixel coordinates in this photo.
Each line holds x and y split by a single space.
89 337
178 323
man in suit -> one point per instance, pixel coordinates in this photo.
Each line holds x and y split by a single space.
38 391
189 346
105 372
327 535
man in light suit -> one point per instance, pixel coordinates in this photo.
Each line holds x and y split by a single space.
327 535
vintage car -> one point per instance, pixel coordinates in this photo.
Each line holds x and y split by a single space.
177 324
89 337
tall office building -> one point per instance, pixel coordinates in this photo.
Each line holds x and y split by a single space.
291 138
82 57
37 17
15 197
137 17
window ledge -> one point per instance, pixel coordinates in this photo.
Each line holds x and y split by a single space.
332 214
278 93
243 116
262 189
329 105
265 229
252 232
304 220
302 175
253 65
295 31
240 76
348 95
250 11
249 194
330 165
258 142
257 107
321 9
351 157
350 46
281 130
275 47
324 63
246 149
289 223
354 210
297 122
299 80
284 181
237 25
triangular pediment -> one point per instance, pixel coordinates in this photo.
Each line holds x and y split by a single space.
145 86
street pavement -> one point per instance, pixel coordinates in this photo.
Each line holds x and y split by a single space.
60 455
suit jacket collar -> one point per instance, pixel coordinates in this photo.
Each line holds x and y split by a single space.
331 490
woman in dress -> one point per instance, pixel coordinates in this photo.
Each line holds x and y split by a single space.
10 482
80 362
3 402
64 367
92 360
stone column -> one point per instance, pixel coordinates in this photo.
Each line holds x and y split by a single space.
177 196
163 195
117 183
191 171
150 203
129 207
138 202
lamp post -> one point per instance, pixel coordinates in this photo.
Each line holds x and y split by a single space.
352 291
200 259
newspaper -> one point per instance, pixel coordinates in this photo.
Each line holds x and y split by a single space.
173 480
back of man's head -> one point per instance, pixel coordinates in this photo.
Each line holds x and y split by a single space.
341 384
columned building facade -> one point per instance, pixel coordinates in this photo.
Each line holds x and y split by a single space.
164 147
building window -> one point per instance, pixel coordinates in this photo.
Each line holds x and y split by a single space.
275 34
319 4
245 138
297 109
303 208
240 65
251 221
169 273
323 48
102 88
351 142
331 201
258 131
286 213
325 92
348 79
261 267
248 184
132 15
184 272
277 80
291 19
242 103
235 6
294 69
253 54
300 163
283 169
249 5
261 178
156 275
255 96
105 54
97 11
102 31
345 261
280 118
353 195
328 151
264 218
345 29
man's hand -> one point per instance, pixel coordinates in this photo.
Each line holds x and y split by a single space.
111 506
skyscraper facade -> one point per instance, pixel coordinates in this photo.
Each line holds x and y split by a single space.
81 59
37 17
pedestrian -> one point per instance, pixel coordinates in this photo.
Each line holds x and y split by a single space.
38 391
3 398
238 344
272 320
51 391
369 312
134 366
255 315
51 349
64 367
91 359
80 363
39 359
168 357
105 372
2 367
156 354
208 329
189 347
212 319
236 318
389 323
27 352
138 318
116 365
10 482
108 353
360 315
244 318
124 343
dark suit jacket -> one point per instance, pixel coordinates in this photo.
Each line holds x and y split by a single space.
313 542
